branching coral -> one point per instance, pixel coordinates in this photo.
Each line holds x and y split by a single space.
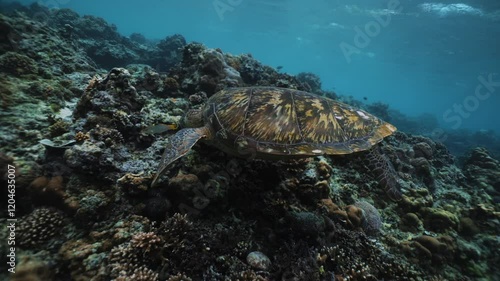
129 261
179 277
384 172
248 275
141 273
146 242
174 231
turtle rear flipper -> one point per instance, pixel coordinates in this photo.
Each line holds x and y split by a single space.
385 173
178 145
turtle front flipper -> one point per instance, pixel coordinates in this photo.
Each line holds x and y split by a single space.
178 145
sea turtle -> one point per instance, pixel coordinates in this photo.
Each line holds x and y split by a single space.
279 123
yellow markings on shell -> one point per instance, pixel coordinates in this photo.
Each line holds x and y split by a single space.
352 118
323 120
240 99
230 109
317 104
275 98
273 119
390 127
363 115
277 110
325 124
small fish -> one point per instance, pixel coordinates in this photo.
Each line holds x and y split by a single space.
279 67
365 98
159 128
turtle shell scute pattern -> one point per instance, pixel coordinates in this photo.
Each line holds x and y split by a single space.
291 122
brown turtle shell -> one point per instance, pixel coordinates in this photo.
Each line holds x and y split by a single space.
279 121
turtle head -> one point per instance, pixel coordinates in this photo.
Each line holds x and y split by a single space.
193 118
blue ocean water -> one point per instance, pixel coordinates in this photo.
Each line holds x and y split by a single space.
417 56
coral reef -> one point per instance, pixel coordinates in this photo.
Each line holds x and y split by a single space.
483 172
17 64
129 261
312 80
86 143
459 142
102 42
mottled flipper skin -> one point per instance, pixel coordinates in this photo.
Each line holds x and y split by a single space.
385 173
178 145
